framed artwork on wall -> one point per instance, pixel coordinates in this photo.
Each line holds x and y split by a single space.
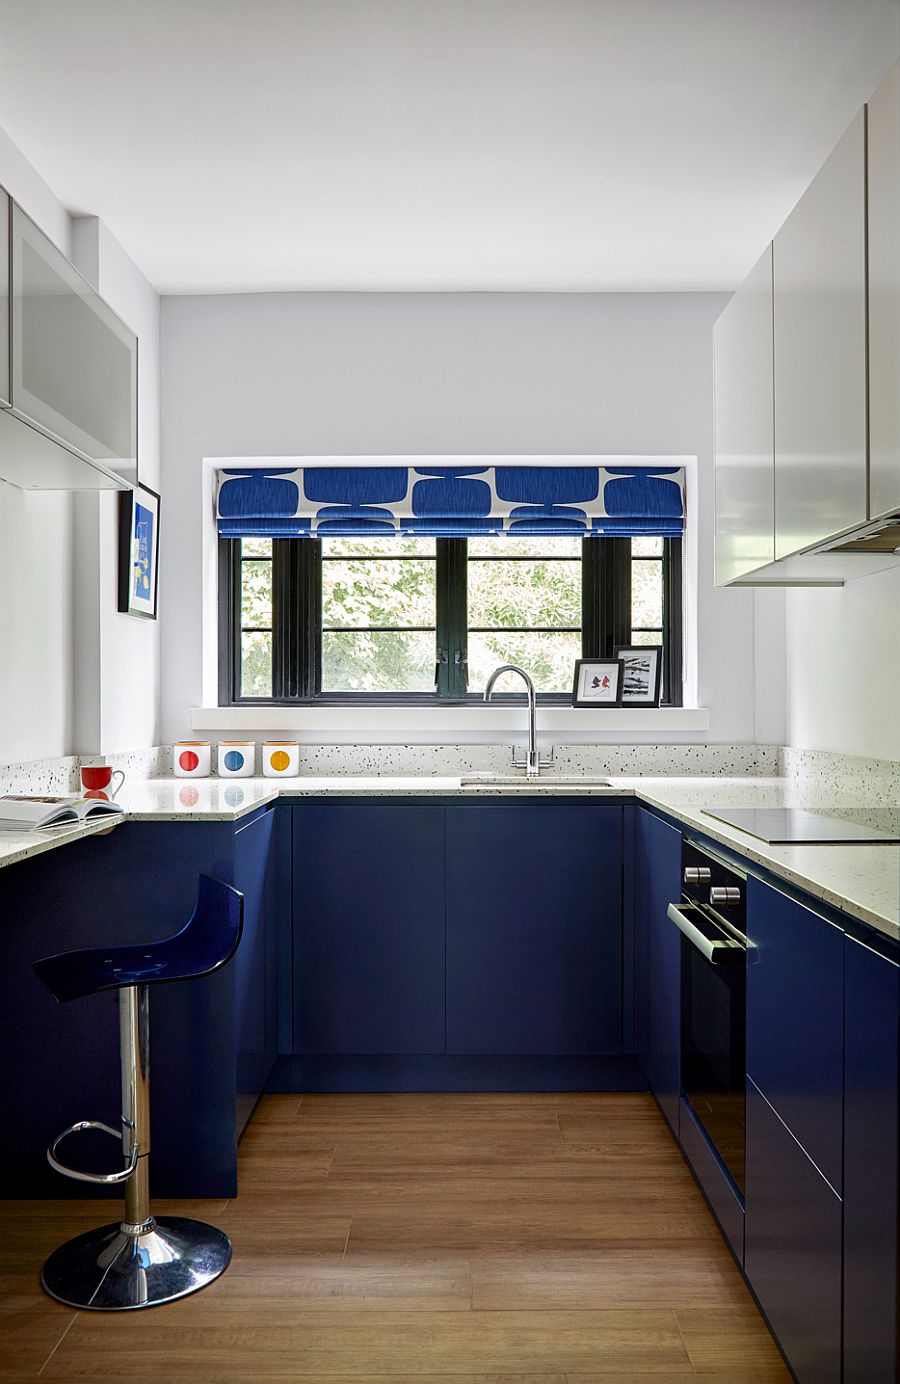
138 552
598 682
643 674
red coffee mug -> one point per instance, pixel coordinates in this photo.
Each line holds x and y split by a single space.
99 776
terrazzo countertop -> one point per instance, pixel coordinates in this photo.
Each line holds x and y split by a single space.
22 845
863 881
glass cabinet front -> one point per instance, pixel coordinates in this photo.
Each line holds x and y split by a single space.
74 372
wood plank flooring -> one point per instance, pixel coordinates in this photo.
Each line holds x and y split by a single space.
447 1239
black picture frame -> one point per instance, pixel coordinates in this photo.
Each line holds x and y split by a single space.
138 545
605 667
632 653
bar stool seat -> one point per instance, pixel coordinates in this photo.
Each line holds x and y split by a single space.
139 1261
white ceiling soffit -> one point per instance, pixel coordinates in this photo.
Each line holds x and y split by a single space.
236 145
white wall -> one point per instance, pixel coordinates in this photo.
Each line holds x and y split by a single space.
74 675
123 702
843 667
397 374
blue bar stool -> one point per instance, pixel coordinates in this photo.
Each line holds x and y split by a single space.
140 1261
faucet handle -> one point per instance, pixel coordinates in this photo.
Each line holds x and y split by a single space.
520 761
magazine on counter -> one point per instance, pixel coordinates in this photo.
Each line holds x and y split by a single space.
24 812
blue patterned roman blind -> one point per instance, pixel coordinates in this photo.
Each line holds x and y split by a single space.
450 501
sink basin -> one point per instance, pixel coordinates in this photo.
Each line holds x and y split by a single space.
542 781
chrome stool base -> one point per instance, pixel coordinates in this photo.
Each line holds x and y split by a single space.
114 1270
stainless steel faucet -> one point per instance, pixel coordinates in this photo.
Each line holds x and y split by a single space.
532 761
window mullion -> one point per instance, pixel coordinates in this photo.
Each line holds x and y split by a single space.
310 639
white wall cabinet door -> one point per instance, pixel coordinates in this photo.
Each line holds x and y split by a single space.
819 274
745 446
4 300
884 295
74 362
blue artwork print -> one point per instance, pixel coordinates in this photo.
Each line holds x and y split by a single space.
142 553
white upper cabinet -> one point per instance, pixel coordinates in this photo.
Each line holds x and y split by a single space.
72 416
745 449
4 299
884 296
819 275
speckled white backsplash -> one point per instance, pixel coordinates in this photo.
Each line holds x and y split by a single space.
41 776
62 775
141 764
387 761
820 776
843 778
436 761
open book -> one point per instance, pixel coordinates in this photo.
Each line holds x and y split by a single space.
20 812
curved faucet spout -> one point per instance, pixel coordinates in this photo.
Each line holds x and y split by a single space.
532 762
508 668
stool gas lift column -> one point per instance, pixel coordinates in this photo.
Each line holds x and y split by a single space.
139 1261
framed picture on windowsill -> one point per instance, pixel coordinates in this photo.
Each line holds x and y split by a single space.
598 682
643 674
138 552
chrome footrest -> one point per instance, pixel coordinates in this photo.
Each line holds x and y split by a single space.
105 1179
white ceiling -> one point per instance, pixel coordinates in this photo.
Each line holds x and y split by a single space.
437 144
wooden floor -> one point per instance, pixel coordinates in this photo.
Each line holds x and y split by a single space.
533 1239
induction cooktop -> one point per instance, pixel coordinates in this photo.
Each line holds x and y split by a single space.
791 826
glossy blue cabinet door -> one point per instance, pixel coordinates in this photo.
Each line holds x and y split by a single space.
792 1246
534 929
657 961
139 883
254 979
795 1028
871 1149
368 928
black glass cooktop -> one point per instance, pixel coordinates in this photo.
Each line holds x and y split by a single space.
791 826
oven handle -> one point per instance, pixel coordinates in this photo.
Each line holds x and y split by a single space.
715 952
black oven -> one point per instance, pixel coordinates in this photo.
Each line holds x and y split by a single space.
712 920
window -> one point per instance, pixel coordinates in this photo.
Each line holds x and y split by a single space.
378 614
524 606
425 619
255 584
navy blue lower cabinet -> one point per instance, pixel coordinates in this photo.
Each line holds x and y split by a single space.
657 960
256 1040
368 928
534 928
792 1247
139 882
871 1155
795 1020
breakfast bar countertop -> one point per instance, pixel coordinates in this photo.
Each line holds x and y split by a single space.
861 880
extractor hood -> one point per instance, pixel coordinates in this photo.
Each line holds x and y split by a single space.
880 535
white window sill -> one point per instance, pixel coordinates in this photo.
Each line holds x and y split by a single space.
462 724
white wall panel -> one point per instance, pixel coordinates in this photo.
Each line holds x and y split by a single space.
400 374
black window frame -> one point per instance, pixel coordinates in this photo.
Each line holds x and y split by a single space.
606 565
